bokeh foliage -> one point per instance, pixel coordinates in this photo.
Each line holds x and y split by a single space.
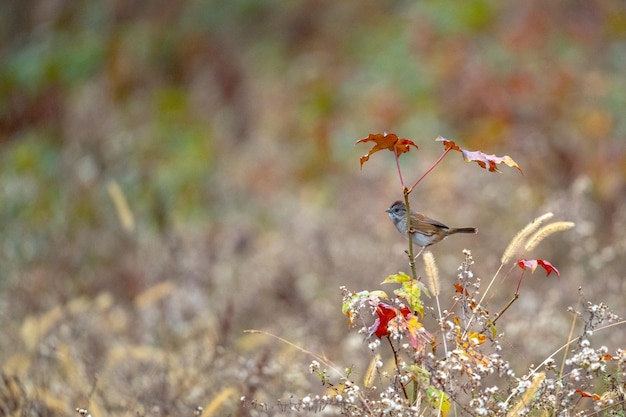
229 127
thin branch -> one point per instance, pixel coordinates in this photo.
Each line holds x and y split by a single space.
409 231
397 157
430 169
397 362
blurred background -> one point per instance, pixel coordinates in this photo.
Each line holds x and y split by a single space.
173 173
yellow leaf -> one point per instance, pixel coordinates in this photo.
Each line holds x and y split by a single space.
398 278
476 338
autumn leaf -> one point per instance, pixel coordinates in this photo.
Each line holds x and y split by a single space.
486 161
533 263
473 304
418 336
470 358
389 141
386 314
400 321
585 394
476 338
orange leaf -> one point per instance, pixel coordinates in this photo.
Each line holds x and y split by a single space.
489 162
389 141
461 289
588 395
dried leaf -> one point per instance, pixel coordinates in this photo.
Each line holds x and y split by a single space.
476 338
486 161
587 395
389 141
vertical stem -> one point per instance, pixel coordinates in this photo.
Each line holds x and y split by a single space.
397 156
409 232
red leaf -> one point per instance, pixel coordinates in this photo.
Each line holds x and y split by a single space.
489 162
389 141
386 313
524 264
548 267
532 265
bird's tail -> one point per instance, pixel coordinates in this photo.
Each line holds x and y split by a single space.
464 230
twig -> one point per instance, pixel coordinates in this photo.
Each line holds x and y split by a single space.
430 169
395 358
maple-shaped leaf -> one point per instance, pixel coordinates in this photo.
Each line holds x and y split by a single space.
389 141
532 265
486 161
386 314
400 321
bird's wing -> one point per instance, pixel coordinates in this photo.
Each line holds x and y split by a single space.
424 225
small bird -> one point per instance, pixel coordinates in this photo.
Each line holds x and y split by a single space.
426 231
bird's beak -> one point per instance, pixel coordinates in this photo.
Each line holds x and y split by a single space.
388 210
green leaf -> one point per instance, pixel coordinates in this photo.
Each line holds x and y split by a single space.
438 399
398 278
411 292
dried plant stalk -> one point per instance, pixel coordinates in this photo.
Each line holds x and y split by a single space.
527 397
520 237
546 231
432 273
368 380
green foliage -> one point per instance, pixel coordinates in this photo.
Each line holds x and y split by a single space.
410 291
